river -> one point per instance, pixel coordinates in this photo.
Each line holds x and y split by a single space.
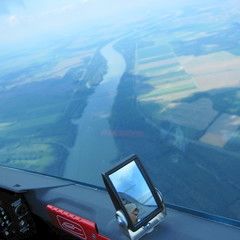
94 149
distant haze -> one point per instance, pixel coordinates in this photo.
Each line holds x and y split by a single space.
24 22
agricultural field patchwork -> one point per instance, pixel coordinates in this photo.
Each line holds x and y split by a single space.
222 130
178 87
213 71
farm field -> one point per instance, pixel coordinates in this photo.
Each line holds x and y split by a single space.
170 78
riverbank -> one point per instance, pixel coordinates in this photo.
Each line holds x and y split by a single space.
93 151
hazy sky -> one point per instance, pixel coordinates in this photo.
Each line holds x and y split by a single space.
21 20
31 20
24 22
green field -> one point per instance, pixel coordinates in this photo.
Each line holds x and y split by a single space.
164 90
32 156
155 71
36 128
155 58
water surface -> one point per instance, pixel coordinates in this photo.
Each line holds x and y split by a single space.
94 149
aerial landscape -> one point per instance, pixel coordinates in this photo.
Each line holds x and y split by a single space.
159 82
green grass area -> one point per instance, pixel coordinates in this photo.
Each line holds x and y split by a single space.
5 125
153 71
157 80
174 74
30 123
168 90
155 58
30 156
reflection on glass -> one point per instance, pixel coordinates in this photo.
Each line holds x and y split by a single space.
133 192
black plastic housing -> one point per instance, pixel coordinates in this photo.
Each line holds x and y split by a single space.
116 199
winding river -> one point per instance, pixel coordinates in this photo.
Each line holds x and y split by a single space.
94 147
